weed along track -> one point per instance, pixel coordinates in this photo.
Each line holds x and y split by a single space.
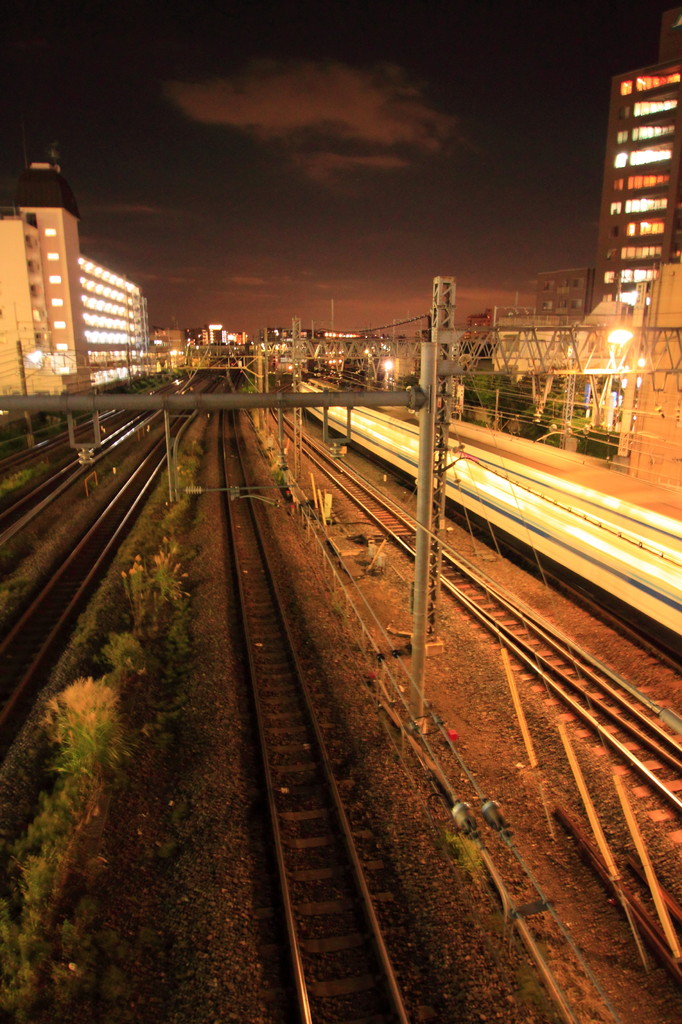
32 645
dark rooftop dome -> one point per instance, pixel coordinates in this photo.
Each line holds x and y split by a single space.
43 185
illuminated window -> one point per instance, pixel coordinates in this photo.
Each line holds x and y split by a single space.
618 184
645 275
625 88
653 131
622 137
616 208
649 156
52 256
609 277
651 227
621 160
629 297
644 204
55 279
637 274
57 302
648 180
645 82
62 346
640 252
50 232
654 107
60 324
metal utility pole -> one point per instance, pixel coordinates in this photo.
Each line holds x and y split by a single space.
265 355
296 358
259 379
569 404
443 336
30 440
434 418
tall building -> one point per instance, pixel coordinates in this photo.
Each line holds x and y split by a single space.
66 322
640 225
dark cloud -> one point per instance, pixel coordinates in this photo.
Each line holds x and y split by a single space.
330 117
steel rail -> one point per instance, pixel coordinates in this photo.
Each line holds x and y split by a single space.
277 619
531 658
647 924
18 515
39 450
32 644
13 650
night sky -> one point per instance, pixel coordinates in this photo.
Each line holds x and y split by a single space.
247 162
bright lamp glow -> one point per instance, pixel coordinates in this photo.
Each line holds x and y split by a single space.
620 337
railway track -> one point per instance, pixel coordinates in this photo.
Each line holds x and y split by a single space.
619 715
339 965
638 732
19 507
54 447
30 501
34 642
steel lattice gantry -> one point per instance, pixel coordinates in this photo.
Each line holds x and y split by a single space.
507 347
443 336
297 359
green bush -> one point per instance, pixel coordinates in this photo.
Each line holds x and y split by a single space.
153 589
466 855
84 723
22 476
127 658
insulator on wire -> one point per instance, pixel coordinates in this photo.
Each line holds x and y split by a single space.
194 489
492 815
86 456
464 819
671 718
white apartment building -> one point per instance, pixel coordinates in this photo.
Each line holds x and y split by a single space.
66 322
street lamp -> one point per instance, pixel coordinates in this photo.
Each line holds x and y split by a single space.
616 341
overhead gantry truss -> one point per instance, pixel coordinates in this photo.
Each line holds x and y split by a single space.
518 350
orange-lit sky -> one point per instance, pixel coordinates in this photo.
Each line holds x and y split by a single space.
247 162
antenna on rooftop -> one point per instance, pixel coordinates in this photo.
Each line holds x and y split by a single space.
23 140
53 155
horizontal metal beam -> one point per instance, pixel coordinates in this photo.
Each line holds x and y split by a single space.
412 398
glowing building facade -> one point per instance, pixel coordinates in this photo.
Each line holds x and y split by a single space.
640 225
66 322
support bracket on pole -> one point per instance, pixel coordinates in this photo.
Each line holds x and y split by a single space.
85 451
